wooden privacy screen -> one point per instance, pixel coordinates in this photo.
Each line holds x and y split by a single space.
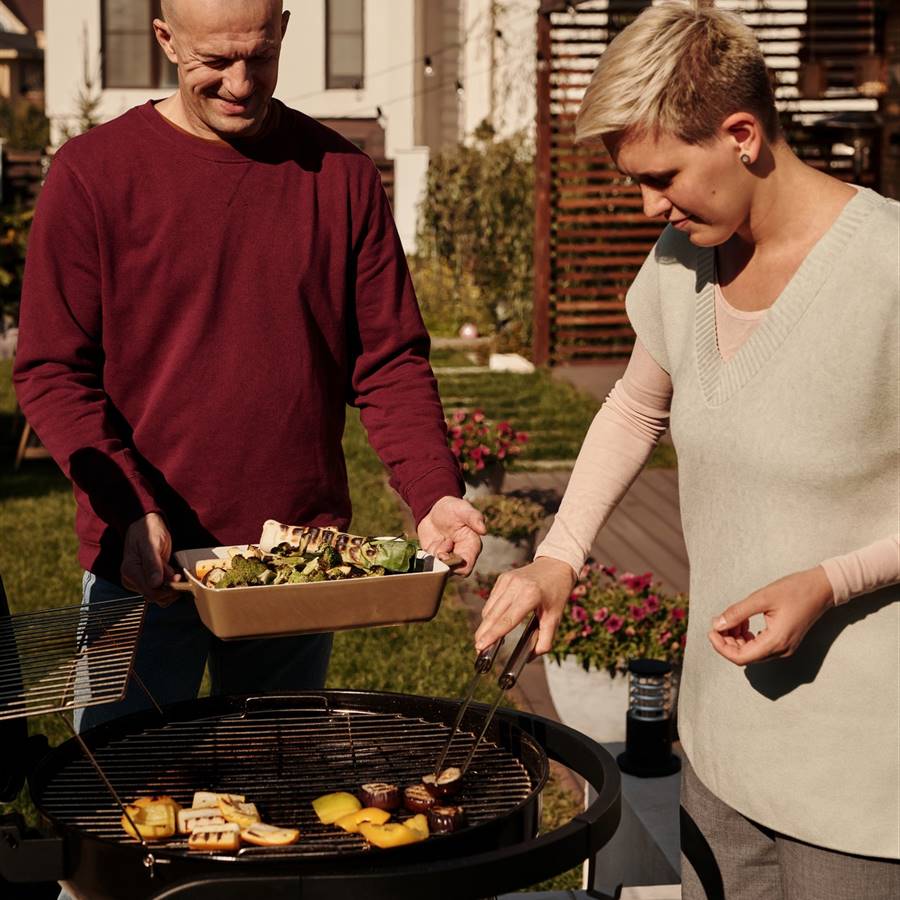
590 232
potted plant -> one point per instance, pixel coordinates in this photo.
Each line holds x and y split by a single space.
512 523
483 449
610 619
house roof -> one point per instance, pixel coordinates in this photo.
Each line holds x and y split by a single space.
29 12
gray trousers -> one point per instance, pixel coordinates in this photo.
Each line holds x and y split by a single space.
727 857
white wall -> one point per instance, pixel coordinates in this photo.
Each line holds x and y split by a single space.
503 66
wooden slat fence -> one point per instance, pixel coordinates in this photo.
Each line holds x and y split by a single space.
590 232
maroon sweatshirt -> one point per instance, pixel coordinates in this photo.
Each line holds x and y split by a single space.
195 317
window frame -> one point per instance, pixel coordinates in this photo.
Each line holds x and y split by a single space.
156 52
330 81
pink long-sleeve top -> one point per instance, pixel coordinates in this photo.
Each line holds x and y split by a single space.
621 438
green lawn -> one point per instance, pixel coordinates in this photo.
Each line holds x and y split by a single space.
37 562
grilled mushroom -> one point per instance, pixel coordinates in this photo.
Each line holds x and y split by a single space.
417 798
446 819
448 783
380 795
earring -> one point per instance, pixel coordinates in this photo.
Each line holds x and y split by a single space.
745 159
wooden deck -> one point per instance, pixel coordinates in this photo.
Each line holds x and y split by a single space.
642 535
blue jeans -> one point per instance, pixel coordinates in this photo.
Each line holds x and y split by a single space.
174 647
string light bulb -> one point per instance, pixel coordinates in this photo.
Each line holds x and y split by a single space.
460 90
429 68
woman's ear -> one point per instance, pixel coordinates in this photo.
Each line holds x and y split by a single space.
743 131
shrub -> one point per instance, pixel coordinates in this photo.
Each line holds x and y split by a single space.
14 227
476 227
508 516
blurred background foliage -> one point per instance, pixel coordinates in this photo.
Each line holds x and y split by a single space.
474 261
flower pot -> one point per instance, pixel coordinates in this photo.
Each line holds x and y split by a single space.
499 554
488 481
594 703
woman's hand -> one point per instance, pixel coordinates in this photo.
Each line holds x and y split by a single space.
790 605
544 586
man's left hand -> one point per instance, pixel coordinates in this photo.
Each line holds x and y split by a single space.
790 605
453 525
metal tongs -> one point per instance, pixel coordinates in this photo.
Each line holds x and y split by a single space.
508 678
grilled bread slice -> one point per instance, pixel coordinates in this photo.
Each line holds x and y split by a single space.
269 835
205 799
195 819
245 814
225 841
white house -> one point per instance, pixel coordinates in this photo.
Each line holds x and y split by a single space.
21 50
403 78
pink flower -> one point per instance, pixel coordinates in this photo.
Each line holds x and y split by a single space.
637 612
651 604
676 645
614 623
630 631
579 614
459 415
521 437
478 416
601 614
678 613
578 591
665 637
609 570
585 571
587 630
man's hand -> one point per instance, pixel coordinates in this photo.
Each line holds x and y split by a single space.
145 560
453 526
790 605
544 586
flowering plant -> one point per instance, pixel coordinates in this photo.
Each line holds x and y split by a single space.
510 517
611 619
477 441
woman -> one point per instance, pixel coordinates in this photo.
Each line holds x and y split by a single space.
767 330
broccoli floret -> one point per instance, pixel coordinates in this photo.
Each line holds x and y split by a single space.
329 559
243 571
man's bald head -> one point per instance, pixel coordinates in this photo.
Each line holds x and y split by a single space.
227 55
176 11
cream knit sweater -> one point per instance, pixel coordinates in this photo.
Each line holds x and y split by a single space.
788 455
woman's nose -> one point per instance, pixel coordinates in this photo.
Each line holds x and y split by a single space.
655 202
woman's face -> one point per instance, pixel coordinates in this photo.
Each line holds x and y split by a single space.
701 189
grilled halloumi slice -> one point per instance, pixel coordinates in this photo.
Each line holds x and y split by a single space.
245 814
193 819
269 835
214 840
206 799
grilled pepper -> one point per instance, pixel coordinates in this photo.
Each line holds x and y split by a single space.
391 834
331 807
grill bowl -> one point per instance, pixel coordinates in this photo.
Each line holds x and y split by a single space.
283 751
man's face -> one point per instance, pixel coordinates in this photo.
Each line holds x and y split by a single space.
227 56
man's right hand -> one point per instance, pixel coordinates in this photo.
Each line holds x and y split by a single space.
145 560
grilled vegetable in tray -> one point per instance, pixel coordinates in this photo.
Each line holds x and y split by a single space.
306 554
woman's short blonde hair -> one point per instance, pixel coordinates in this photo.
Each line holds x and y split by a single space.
681 68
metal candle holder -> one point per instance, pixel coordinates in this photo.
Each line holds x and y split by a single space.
649 723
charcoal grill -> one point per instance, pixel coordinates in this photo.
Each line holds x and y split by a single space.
281 751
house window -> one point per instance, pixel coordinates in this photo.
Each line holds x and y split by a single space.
344 44
132 58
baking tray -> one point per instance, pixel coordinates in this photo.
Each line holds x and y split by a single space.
288 609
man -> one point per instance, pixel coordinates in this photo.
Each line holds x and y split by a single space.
210 279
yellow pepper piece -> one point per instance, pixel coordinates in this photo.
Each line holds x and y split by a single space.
154 822
419 824
243 814
352 821
331 807
392 834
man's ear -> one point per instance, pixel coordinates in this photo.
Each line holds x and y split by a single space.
163 32
745 133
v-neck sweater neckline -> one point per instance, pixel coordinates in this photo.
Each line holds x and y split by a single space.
720 380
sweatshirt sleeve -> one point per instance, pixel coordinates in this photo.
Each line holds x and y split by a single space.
621 438
864 570
58 371
392 382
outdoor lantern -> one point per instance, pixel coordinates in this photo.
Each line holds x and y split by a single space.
648 725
